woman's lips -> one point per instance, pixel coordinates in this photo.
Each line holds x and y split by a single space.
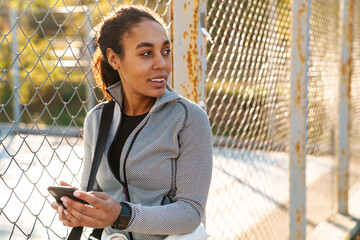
157 79
158 82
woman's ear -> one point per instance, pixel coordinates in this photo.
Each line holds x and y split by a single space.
113 58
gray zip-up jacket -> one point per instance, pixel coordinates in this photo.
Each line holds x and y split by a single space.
168 153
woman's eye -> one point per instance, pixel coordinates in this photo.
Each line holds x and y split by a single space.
167 51
147 53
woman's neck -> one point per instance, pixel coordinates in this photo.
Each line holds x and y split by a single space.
136 106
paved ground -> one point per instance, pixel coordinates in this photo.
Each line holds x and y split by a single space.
253 187
248 197
37 162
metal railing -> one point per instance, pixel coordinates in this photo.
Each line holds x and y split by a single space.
269 74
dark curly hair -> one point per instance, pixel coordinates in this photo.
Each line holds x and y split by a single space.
110 34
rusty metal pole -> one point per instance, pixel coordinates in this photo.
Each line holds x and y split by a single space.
189 49
298 117
344 106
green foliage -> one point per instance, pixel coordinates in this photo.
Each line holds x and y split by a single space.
47 91
241 110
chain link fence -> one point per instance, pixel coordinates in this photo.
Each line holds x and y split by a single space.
248 100
248 86
46 89
355 99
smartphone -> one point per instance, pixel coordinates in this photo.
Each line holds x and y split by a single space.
58 192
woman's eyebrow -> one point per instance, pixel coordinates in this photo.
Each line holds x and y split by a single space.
147 44
144 44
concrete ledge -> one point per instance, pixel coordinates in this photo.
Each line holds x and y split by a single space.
337 227
40 129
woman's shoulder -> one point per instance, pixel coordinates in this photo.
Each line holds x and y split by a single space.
94 114
99 106
189 106
193 109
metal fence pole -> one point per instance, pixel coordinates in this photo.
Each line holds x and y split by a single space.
298 117
344 107
15 65
271 63
189 61
91 48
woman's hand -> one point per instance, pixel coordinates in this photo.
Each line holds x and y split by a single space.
102 211
60 209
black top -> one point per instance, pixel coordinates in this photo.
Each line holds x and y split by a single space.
127 125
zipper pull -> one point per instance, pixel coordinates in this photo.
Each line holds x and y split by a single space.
124 192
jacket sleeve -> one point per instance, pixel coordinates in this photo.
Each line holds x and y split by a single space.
90 134
193 176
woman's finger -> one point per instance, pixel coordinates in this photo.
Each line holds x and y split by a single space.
69 223
100 213
80 219
55 205
91 198
63 216
84 209
100 195
63 183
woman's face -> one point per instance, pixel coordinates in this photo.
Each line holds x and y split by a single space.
145 67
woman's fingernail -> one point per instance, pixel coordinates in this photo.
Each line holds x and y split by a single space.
66 212
64 201
77 194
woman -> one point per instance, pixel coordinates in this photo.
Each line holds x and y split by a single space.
156 169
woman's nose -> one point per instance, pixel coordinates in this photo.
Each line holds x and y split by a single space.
159 62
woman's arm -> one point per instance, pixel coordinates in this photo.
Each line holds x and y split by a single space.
90 134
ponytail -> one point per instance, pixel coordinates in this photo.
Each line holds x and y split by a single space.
104 74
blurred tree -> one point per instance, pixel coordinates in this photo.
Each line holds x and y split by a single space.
53 58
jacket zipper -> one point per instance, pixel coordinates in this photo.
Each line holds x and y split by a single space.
124 184
128 152
126 158
127 194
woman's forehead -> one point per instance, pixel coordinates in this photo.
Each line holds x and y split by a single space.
146 31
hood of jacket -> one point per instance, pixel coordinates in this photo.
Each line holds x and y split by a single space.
116 92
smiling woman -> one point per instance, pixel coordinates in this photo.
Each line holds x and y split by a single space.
155 172
145 66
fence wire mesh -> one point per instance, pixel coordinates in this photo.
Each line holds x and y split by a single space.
355 99
248 102
46 89
324 75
